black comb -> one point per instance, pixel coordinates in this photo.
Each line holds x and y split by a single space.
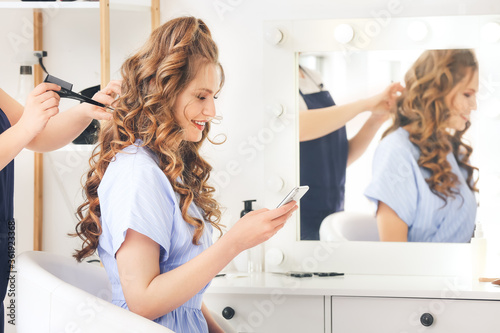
66 92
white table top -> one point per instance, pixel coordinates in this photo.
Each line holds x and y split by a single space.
356 285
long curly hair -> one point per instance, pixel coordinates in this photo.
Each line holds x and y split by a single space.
152 79
423 107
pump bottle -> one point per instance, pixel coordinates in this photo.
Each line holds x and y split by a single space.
256 253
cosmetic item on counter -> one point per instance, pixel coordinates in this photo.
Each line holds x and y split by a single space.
248 207
256 253
25 84
478 253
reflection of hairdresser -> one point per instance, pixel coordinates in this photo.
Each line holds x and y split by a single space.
325 151
422 179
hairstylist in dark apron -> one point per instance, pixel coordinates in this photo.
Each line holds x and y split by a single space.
323 164
6 215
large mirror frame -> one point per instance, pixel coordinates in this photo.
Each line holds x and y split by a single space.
282 41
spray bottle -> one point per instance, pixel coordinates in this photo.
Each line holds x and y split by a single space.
26 81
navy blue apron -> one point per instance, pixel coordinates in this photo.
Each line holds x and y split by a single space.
6 218
323 164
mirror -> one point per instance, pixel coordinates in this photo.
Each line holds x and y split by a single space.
378 54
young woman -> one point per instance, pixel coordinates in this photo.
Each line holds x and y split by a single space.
422 180
40 127
150 211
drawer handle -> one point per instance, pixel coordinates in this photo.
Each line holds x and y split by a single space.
228 312
426 319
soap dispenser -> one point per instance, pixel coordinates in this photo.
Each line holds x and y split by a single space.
248 207
256 253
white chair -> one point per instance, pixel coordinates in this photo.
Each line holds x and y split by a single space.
57 294
349 226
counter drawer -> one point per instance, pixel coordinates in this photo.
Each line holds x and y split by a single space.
271 313
405 315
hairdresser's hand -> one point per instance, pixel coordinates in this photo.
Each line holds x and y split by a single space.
106 96
260 225
41 105
383 104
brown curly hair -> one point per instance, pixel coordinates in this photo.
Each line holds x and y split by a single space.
422 106
152 79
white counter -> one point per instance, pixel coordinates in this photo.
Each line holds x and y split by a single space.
267 302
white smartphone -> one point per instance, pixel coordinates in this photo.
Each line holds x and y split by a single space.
295 194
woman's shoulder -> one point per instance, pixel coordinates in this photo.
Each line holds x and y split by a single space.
399 138
398 143
134 157
135 165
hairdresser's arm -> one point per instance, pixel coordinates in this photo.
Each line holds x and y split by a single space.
66 126
213 327
41 105
390 226
383 105
361 141
314 124
151 294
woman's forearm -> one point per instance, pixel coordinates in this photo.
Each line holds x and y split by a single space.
314 124
61 129
12 141
170 290
361 141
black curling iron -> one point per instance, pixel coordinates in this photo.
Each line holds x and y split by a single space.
66 92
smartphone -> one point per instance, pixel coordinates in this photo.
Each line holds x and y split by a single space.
294 194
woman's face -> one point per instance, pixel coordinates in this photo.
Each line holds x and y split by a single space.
462 100
195 105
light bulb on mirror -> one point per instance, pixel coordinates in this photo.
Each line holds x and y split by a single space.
417 31
490 32
274 257
274 36
344 33
275 183
276 110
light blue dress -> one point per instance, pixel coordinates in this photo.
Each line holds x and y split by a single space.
399 182
135 194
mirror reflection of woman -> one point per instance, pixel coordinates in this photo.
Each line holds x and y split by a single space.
422 179
325 151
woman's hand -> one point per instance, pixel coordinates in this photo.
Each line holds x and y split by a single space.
106 96
41 105
382 104
258 226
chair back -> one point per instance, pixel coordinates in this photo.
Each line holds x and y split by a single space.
349 226
57 294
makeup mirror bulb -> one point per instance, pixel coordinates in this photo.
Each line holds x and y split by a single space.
275 183
274 36
344 33
274 257
276 110
417 31
490 32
